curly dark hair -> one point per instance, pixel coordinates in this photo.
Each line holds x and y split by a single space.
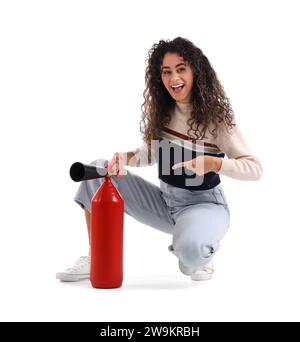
209 103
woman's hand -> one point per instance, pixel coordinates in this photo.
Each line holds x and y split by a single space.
116 166
201 165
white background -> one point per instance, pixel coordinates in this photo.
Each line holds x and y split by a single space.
71 83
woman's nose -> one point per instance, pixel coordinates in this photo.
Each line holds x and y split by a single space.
175 77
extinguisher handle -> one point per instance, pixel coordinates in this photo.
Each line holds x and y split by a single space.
80 172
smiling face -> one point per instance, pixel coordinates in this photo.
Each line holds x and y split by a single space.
177 77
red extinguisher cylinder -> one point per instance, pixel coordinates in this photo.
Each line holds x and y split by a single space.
107 219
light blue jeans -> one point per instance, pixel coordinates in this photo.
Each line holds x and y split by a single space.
196 219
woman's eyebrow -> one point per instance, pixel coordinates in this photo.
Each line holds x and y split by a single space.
167 67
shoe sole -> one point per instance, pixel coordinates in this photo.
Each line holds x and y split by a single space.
72 277
201 277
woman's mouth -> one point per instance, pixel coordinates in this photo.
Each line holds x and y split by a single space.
177 88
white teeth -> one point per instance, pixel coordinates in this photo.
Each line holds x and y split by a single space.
178 85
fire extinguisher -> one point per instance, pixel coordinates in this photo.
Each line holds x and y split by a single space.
107 220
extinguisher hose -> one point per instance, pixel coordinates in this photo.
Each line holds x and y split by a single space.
80 172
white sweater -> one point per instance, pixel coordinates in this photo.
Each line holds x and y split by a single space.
241 163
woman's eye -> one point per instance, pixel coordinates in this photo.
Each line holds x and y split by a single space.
181 69
166 72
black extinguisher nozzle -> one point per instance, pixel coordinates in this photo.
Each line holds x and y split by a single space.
80 172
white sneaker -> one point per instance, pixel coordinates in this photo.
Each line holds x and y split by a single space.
81 270
204 273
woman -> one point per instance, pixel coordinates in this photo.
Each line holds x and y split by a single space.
188 127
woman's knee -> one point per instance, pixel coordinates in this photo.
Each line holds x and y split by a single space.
192 253
100 162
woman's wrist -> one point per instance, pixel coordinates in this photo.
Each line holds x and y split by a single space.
130 160
217 163
212 164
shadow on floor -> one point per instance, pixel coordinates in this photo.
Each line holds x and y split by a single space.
147 282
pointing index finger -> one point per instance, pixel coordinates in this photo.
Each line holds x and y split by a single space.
178 165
